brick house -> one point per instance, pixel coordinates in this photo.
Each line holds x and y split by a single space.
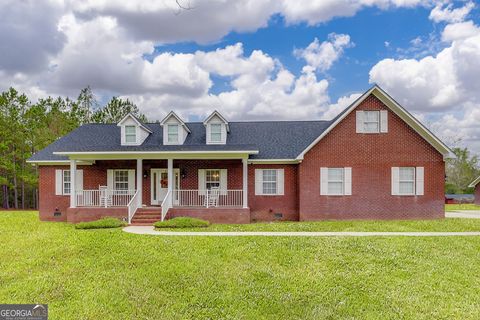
373 161
476 185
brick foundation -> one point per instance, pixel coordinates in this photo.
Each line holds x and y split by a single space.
477 194
75 215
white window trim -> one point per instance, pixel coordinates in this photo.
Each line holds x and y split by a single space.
346 181
169 125
280 182
342 181
220 140
115 181
219 178
63 183
276 182
413 181
365 122
134 134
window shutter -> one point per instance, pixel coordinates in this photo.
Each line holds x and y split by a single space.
58 182
201 182
419 176
360 121
280 182
131 179
383 121
395 181
258 182
79 180
110 179
348 181
223 182
323 181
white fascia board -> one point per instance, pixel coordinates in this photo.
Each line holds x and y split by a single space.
58 162
216 113
151 155
274 161
398 110
474 183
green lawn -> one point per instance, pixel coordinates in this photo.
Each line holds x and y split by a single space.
467 206
110 274
349 225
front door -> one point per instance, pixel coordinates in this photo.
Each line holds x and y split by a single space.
159 184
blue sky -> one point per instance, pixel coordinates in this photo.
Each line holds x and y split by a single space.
250 59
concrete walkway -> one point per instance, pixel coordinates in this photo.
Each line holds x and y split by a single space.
150 231
469 214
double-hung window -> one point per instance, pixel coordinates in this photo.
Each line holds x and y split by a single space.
215 132
66 184
130 134
408 181
269 182
172 133
212 178
371 121
120 180
336 181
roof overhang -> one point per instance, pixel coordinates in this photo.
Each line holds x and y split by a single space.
399 111
59 162
125 155
274 161
474 183
216 113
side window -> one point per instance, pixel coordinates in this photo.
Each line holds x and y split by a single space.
66 182
372 121
215 132
130 134
172 133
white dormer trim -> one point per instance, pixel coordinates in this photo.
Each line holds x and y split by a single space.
216 119
173 119
141 131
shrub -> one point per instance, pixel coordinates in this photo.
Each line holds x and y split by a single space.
182 222
103 223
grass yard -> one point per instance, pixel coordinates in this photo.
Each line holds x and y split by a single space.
110 274
466 206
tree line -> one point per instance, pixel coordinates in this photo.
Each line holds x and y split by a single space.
28 127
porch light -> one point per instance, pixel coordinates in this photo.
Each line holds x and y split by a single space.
145 173
183 173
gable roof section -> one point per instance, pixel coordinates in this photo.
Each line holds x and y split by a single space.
173 114
398 110
216 113
474 183
136 120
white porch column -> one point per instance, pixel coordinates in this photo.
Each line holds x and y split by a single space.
73 183
140 181
245 182
170 175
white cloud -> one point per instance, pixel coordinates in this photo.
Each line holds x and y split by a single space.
444 12
321 56
445 83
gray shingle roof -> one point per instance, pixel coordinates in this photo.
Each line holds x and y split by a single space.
272 139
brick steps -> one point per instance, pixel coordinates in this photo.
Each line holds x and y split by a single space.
147 216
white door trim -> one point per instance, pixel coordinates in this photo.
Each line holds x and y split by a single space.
159 171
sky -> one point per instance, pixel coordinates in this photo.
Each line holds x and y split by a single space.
252 59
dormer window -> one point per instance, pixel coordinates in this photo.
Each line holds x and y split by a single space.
132 131
217 129
172 133
175 131
216 132
130 134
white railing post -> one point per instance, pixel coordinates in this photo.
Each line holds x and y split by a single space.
139 181
73 182
245 183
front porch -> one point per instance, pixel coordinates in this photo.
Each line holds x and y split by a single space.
214 189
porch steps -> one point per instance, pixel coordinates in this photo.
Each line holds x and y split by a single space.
147 216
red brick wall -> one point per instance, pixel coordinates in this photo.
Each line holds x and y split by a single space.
477 194
263 208
214 215
48 201
371 157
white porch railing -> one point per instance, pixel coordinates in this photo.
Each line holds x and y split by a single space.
104 198
133 205
207 198
166 204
